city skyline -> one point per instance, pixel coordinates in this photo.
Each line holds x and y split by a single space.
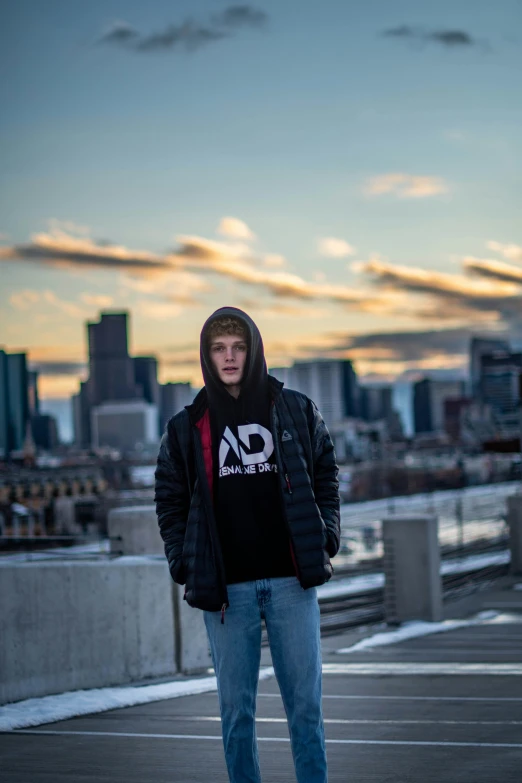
115 376
348 176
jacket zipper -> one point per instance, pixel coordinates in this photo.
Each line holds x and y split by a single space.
281 465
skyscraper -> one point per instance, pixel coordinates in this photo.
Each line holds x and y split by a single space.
146 377
429 396
376 402
18 399
500 375
480 346
111 369
4 406
174 397
330 383
82 416
45 431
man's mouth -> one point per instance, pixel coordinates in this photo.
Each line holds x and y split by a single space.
230 369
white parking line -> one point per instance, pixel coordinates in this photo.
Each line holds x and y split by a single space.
366 697
411 669
200 737
357 721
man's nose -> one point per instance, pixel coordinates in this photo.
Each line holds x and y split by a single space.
229 354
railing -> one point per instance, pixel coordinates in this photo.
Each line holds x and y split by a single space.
473 538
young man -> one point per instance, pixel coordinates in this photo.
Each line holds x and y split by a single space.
248 508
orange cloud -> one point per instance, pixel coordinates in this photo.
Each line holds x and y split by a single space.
497 270
405 185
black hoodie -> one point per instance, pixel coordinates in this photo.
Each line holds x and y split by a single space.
247 499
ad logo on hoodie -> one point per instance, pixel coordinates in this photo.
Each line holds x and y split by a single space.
243 462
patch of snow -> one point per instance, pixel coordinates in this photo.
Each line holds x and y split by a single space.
48 709
414 629
351 585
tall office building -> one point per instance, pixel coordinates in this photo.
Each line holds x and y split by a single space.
18 400
376 402
146 377
330 383
4 406
111 369
81 407
173 398
429 396
124 425
500 380
45 431
479 346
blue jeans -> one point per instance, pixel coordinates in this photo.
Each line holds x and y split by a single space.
292 620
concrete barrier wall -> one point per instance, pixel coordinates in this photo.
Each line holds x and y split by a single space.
413 586
67 626
133 530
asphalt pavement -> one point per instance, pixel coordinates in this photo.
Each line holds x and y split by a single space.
444 707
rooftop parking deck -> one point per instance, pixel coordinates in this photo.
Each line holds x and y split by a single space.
441 707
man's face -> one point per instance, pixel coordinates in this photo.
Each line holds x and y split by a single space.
228 354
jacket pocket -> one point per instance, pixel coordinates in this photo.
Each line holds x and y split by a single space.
178 571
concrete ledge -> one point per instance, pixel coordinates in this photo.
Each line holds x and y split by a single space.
66 626
133 530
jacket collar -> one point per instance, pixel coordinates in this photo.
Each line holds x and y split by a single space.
196 410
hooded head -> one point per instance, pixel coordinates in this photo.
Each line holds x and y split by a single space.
255 375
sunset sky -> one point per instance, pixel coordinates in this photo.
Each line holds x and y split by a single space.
349 173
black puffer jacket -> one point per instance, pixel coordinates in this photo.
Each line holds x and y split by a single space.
309 490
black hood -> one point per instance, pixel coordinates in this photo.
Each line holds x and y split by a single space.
255 376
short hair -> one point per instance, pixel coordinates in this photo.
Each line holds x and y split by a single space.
226 325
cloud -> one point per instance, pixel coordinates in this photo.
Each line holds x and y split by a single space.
189 35
218 258
455 296
27 299
513 252
69 308
59 248
331 247
180 276
405 185
407 346
179 285
497 270
274 261
431 282
401 355
120 33
157 311
58 367
68 227
451 39
98 300
24 300
194 253
235 228
241 16
282 309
